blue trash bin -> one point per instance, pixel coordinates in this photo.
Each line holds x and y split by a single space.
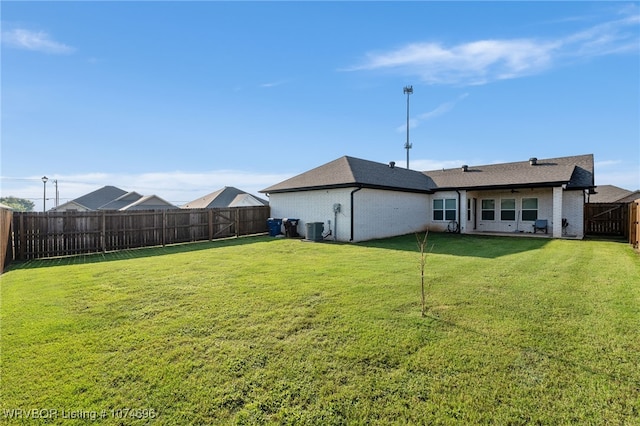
275 226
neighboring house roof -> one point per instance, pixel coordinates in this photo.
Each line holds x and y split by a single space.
112 198
225 197
99 197
122 201
635 195
575 172
148 202
349 172
247 200
613 194
70 205
4 206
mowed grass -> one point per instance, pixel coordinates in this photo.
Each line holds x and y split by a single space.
273 331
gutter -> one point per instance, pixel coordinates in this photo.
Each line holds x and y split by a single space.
352 215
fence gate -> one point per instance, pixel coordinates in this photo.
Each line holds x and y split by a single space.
611 219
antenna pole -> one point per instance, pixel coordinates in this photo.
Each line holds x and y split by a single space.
408 90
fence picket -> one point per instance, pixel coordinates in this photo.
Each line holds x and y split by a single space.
39 235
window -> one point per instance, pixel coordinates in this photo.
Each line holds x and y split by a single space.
530 209
444 209
508 209
488 209
450 209
438 209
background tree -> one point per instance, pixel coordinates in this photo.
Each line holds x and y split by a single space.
18 204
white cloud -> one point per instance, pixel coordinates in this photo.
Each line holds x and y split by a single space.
272 84
607 163
605 39
471 63
483 61
38 41
441 109
176 187
624 178
619 173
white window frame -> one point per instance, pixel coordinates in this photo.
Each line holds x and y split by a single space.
503 210
526 211
492 210
445 211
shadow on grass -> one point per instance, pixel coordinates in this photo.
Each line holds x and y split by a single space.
441 243
137 253
461 245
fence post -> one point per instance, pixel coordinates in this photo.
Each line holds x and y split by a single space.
210 214
23 237
103 231
164 227
6 245
237 222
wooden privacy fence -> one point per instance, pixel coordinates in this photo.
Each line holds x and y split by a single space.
6 252
606 219
634 224
38 235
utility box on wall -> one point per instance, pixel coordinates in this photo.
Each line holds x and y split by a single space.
314 231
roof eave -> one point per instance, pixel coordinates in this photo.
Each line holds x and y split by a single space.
504 186
347 185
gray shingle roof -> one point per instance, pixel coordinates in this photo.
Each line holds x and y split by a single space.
99 197
349 172
122 201
576 172
225 197
613 194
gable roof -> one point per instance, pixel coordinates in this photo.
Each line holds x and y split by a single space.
99 197
575 172
225 197
613 194
70 205
247 200
122 201
148 202
348 172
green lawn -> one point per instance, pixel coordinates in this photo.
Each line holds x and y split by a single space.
261 330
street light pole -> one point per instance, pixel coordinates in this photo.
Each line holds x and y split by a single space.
44 194
408 90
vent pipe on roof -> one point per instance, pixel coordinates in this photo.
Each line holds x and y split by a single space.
465 168
533 161
392 164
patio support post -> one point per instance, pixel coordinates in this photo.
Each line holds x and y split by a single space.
557 211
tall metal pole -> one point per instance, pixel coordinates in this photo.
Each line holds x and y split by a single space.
44 194
57 193
408 90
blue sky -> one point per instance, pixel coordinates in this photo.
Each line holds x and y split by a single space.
179 99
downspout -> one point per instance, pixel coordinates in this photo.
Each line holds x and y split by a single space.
353 192
459 223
